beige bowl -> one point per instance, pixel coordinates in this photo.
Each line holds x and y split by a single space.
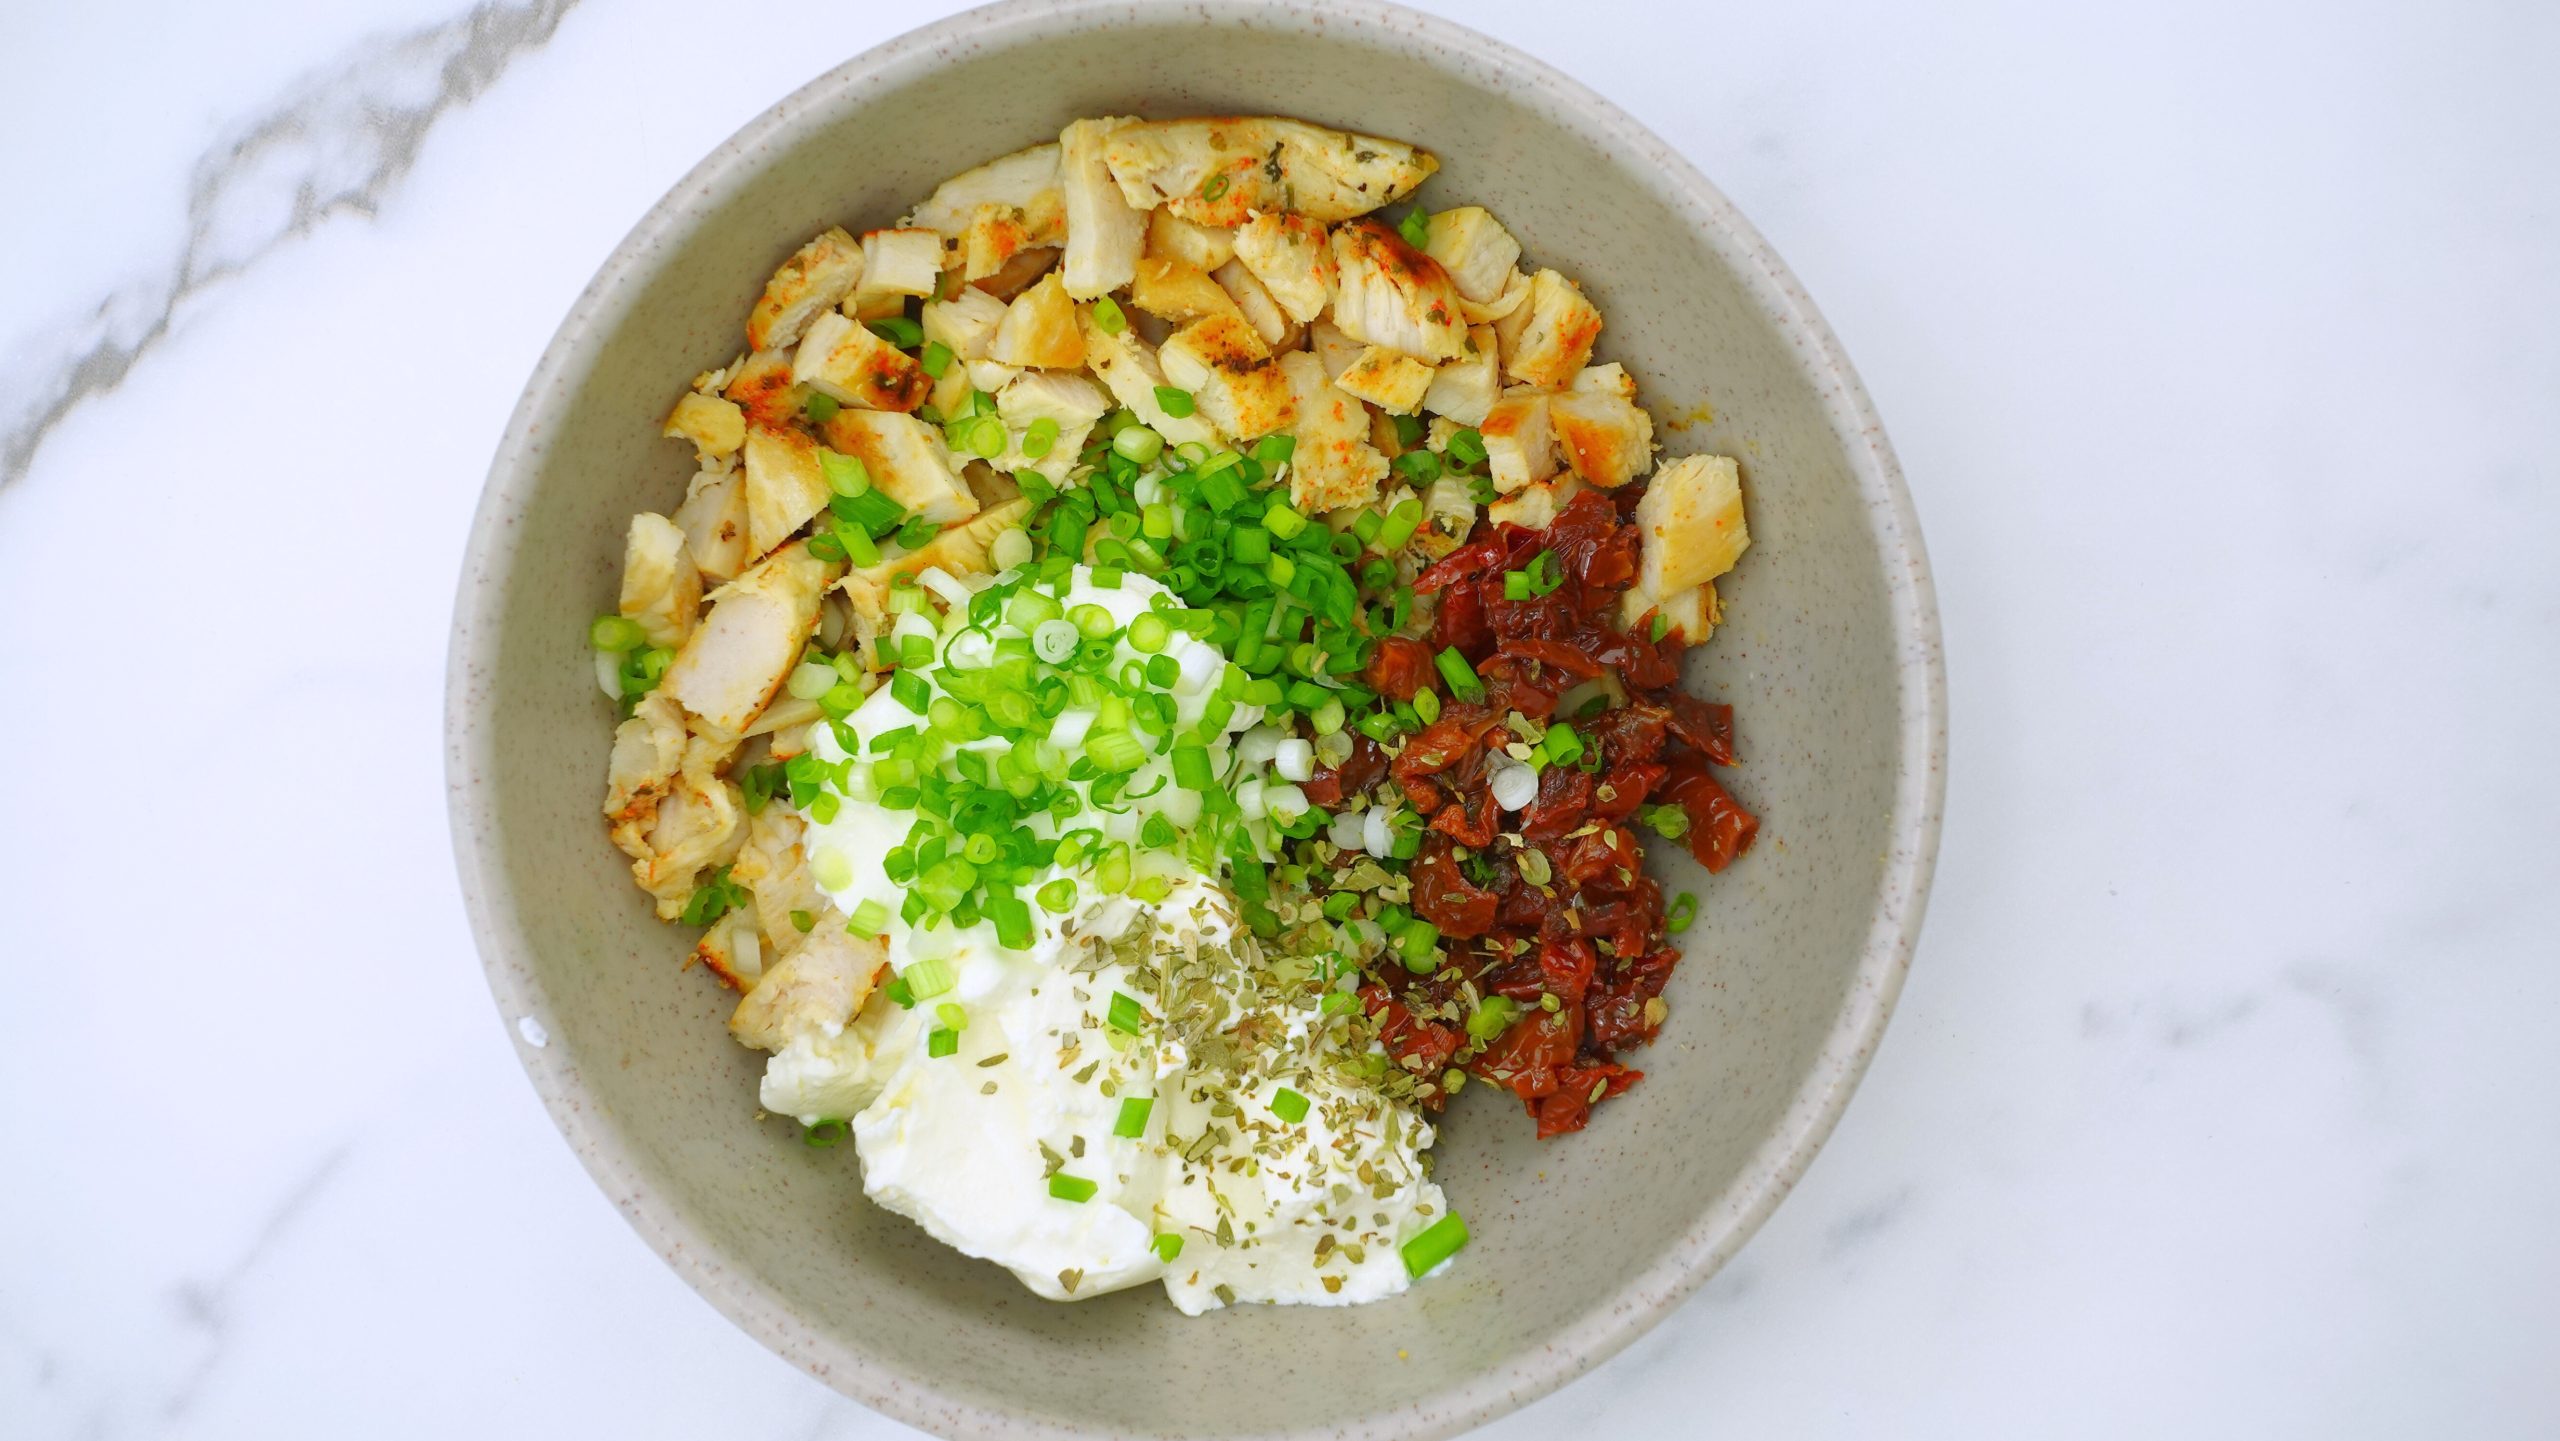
1831 655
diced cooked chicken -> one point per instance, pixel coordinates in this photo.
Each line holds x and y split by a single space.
815 990
1388 293
733 949
965 325
1020 273
714 520
1610 379
809 284
1476 251
1394 383
908 461
1333 465
773 867
697 824
1254 301
1464 389
716 427
1515 294
1071 402
1691 516
647 747
1603 436
1202 247
1536 505
1229 371
1039 329
786 713
1218 170
1129 369
962 550
1000 210
1690 615
750 639
764 389
1334 348
1178 292
785 486
1556 339
1293 258
896 265
661 589
1106 229
843 359
1519 440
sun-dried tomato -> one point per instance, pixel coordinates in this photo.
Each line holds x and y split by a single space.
1705 727
1606 857
1461 622
1564 799
1573 660
1406 1036
1623 789
1578 1089
1719 828
1399 667
1629 733
1444 896
1513 684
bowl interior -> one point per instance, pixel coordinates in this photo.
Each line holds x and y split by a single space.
1578 1242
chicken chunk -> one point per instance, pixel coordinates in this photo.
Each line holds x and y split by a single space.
1039 329
738 656
696 825
1334 348
1464 389
1255 303
764 390
1230 372
1610 379
1179 293
1020 273
647 748
1692 521
1394 383
774 868
817 989
1519 440
1515 294
1000 210
1202 247
1603 436
1129 369
1293 258
908 461
1333 465
716 427
1556 339
1071 402
1219 170
1106 228
965 325
714 520
809 284
661 589
897 264
1478 253
1536 505
733 949
844 360
1388 293
785 486
1690 615
963 550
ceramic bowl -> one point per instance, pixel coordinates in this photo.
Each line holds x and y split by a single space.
1829 652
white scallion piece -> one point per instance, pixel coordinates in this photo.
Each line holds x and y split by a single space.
1514 785
1295 760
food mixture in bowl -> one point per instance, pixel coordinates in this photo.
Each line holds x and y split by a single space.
1163 679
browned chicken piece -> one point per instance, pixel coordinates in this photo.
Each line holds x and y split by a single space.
908 461
1230 372
1039 329
1333 465
1202 247
1478 253
1394 383
844 360
716 427
1464 389
1220 170
764 390
713 518
809 284
661 589
1106 229
1130 370
1519 440
818 988
1388 293
1293 258
751 638
785 486
1179 293
1603 436
1555 339
999 211
1260 310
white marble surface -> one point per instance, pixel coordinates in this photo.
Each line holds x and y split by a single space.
2219 342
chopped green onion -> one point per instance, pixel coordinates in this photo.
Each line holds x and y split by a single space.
1191 768
820 406
941 1041
1214 186
1274 451
846 474
1041 438
909 690
1282 519
1682 911
1092 621
936 359
868 920
1108 316
1175 402
897 330
1138 443
952 1014
1072 1188
1661 627
1126 1014
1415 228
1168 1246
1289 1106
616 634
1418 467
1149 633
1400 525
825 1134
1408 429
1426 705
1133 1117
1434 1244
1058 896
1492 1017
1563 744
929 977
1468 446
1463 681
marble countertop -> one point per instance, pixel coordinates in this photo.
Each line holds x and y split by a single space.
2218 342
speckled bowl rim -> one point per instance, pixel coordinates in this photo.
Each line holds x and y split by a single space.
1918 801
